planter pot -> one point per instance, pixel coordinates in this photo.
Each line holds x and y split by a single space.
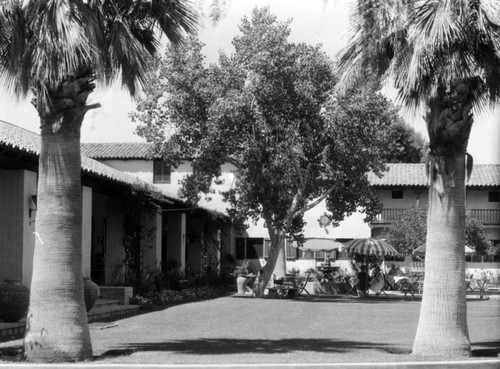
241 283
14 300
90 293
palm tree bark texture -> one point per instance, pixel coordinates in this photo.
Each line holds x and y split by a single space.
442 326
57 326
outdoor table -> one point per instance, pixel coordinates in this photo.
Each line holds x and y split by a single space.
283 291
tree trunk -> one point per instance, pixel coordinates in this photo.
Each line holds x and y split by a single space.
271 267
442 328
280 267
56 325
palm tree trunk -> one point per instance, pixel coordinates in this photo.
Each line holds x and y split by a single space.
56 326
442 327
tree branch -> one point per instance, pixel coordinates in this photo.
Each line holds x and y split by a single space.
314 203
297 168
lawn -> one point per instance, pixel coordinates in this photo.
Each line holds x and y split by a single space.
232 330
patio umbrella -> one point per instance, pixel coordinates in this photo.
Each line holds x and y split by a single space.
369 246
421 250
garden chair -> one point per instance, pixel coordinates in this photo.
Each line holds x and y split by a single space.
409 287
302 285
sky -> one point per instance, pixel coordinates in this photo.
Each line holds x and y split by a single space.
323 22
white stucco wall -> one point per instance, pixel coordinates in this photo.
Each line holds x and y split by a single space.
411 198
478 199
142 169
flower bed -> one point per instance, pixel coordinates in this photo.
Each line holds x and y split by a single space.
172 297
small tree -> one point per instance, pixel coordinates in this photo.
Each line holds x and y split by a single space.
409 232
475 236
269 109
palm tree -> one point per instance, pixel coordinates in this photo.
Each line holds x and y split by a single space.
443 56
57 50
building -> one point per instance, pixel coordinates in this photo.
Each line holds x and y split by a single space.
173 234
401 187
405 186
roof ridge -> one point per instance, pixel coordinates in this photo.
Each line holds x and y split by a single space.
19 127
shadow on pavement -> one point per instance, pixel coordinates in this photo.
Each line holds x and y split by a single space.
486 349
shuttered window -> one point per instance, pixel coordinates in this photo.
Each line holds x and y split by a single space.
161 172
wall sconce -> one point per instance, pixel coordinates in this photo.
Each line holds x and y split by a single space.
33 200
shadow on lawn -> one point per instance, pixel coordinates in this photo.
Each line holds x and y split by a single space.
239 346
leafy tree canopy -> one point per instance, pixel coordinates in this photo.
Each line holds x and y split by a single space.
406 145
269 108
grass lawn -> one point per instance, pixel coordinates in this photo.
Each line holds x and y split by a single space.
245 330
231 330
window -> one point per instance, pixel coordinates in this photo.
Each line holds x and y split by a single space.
494 196
161 172
397 194
290 252
249 248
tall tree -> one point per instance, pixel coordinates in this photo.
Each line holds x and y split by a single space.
57 50
269 109
444 56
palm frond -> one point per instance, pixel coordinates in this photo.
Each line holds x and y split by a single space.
431 43
435 21
15 62
59 47
127 54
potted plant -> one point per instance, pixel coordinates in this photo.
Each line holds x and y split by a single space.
14 300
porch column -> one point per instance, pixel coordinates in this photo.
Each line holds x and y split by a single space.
183 242
218 253
158 238
86 230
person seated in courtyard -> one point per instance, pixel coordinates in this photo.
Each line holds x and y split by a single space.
376 280
363 280
393 272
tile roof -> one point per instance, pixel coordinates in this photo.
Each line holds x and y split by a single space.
414 175
128 150
29 142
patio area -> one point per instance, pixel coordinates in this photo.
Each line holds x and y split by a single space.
231 330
